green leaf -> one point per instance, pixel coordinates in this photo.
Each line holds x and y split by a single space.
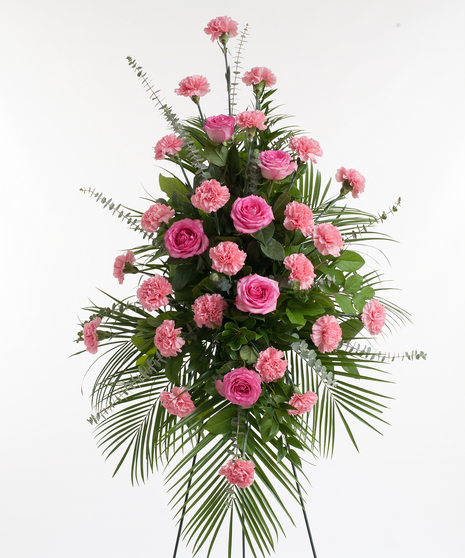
345 303
336 276
173 367
221 422
216 154
280 205
169 185
264 235
353 283
183 275
144 345
295 317
268 428
351 328
273 250
349 261
305 308
359 302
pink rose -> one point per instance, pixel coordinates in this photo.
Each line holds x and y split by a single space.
221 25
156 215
153 292
298 216
193 86
219 387
208 310
374 316
326 334
227 258
210 196
257 75
301 268
276 165
168 145
219 128
120 262
238 472
186 238
354 178
242 387
256 294
303 403
251 214
167 339
90 335
251 119
328 239
177 402
306 148
271 365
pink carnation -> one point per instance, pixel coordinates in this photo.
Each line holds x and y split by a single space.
156 215
257 294
177 402
208 310
168 145
326 334
210 196
271 365
186 238
301 270
120 262
220 25
257 75
306 148
354 178
227 258
238 472
242 387
153 292
251 119
251 214
327 239
193 86
90 335
374 316
298 216
303 403
167 339
276 165
219 128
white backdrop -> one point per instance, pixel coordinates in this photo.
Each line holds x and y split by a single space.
381 86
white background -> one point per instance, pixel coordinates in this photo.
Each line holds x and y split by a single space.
381 86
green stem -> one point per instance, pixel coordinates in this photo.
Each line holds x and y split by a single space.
188 184
228 78
330 204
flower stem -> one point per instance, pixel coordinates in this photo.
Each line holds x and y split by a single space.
330 204
228 78
188 184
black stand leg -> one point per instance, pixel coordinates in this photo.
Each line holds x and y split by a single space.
304 512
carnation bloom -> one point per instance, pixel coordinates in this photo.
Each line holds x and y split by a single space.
242 387
251 214
168 145
90 335
238 472
306 148
257 294
177 402
276 165
327 239
219 128
167 339
374 316
186 238
259 74
153 292
271 365
156 215
303 402
193 86
208 310
301 270
251 119
326 334
120 262
227 258
210 196
298 216
220 25
354 178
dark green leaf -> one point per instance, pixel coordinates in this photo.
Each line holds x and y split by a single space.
280 205
172 368
345 303
169 185
264 235
351 328
221 422
353 283
349 261
273 250
183 275
216 154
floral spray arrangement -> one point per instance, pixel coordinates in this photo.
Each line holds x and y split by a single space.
239 351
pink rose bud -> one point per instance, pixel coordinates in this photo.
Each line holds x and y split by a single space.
276 165
238 472
242 387
219 128
186 238
374 316
177 402
251 214
326 334
303 402
257 294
